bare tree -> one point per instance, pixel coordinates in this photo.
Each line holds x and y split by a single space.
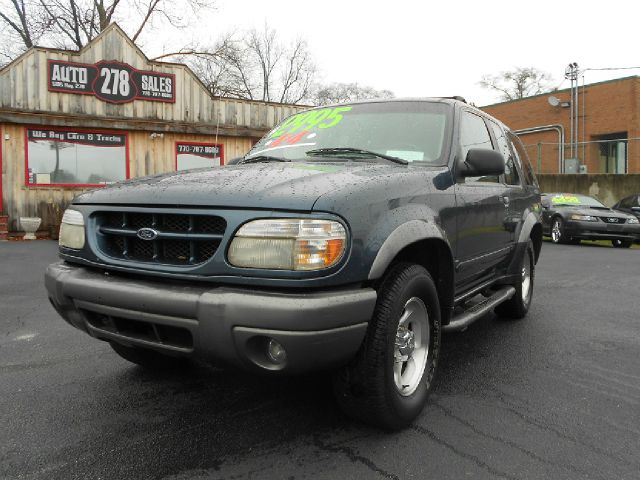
518 83
266 53
74 23
20 25
221 68
254 65
298 73
345 92
16 15
70 23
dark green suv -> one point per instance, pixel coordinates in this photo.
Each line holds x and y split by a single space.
347 239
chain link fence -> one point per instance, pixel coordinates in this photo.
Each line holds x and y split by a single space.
611 156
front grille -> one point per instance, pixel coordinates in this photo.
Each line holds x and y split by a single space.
177 239
140 330
614 220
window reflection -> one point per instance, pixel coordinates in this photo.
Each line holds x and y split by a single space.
90 159
196 155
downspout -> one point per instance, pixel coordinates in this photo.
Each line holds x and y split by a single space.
547 128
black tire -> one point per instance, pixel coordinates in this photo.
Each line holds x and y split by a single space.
617 243
366 389
518 305
561 236
149 359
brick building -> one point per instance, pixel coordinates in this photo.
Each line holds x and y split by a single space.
608 126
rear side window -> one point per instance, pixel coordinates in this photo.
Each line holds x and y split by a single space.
474 134
511 176
523 159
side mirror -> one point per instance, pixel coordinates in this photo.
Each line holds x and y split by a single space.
481 162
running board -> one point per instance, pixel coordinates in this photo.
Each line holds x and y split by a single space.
462 321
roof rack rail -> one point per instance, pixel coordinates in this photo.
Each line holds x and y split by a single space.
457 97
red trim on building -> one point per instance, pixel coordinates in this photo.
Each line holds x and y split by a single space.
207 144
66 129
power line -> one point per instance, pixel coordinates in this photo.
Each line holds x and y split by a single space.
610 68
560 84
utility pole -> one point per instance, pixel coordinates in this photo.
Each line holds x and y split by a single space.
571 73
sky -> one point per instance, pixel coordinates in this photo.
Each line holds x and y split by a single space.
422 48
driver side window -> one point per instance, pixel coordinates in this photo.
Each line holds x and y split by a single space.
474 134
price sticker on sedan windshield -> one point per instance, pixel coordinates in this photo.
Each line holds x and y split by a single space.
565 199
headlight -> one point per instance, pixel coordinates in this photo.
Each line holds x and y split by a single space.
72 230
584 218
633 220
288 244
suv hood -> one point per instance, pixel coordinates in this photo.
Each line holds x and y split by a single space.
287 186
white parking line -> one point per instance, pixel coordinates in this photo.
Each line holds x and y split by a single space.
26 337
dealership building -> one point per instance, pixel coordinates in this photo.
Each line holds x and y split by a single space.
76 120
588 129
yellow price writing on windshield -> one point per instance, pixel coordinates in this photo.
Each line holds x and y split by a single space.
322 118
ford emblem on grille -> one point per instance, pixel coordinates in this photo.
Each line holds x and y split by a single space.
613 220
147 234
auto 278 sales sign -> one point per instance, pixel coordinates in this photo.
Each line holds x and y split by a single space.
111 81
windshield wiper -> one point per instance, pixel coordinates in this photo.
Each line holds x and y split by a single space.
346 151
263 158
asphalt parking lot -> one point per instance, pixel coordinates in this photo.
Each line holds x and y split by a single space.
556 396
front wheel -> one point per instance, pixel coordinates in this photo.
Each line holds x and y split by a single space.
557 231
518 305
617 243
388 382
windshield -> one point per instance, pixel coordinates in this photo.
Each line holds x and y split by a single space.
572 200
412 131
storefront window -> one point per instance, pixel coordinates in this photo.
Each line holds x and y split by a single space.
72 157
198 155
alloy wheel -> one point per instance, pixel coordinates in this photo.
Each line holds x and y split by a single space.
556 232
411 346
526 277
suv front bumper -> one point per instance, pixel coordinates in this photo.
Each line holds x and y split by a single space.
318 330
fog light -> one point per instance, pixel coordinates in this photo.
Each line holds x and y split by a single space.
276 352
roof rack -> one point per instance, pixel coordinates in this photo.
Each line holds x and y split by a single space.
457 97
